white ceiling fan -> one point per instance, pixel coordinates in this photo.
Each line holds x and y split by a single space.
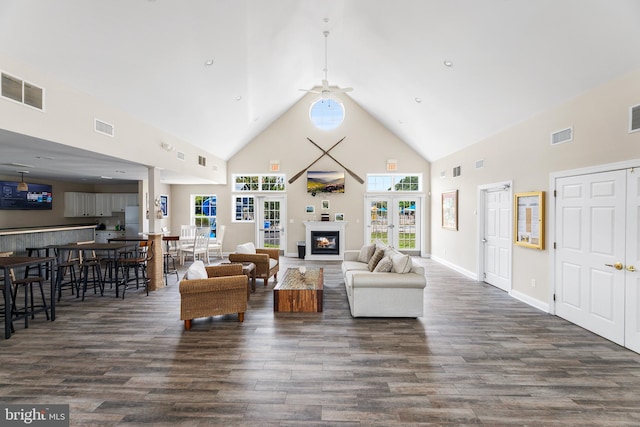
327 91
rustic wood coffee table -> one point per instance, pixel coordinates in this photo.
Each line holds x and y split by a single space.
299 293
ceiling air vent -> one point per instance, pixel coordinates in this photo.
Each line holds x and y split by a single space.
103 127
443 174
479 164
456 171
202 161
562 136
180 155
634 118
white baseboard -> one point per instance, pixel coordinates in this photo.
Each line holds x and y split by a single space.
533 302
470 274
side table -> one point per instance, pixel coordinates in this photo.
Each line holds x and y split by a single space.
249 270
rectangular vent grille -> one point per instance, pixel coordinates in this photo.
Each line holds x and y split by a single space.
103 127
23 92
562 136
443 174
456 171
479 164
202 161
634 119
180 155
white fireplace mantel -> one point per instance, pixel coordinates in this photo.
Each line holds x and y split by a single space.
339 226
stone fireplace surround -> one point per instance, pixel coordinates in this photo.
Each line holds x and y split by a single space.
323 226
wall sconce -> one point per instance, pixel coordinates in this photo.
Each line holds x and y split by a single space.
274 165
392 165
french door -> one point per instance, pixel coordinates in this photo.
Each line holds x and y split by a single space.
271 219
395 221
597 241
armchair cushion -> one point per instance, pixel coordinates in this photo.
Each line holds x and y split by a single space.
196 271
246 248
265 259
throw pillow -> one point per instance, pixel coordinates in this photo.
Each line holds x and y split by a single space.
401 263
385 265
375 259
196 271
246 248
366 253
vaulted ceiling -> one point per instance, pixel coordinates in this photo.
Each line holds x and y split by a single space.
509 60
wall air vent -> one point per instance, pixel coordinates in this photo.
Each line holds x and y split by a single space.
479 164
634 118
103 127
23 92
456 171
443 174
180 155
202 161
562 136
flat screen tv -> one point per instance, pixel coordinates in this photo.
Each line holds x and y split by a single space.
38 197
325 182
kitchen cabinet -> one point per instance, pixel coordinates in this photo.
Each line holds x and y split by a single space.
121 200
104 236
78 204
103 204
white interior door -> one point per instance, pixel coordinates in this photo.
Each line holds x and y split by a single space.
590 242
497 237
270 226
632 277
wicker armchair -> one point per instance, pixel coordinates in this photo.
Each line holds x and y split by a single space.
264 267
223 292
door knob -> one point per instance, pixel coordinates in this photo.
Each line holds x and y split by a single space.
631 268
617 265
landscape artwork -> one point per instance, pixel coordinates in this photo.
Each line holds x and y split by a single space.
325 182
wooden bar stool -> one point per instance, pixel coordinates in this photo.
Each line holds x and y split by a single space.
29 308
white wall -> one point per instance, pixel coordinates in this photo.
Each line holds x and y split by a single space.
69 119
523 153
365 149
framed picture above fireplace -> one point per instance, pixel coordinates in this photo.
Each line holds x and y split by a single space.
339 217
325 182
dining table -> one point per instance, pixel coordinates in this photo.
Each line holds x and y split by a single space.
11 262
112 251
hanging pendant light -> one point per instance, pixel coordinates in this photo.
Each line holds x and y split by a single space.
23 186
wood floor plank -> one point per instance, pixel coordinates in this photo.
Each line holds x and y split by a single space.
477 357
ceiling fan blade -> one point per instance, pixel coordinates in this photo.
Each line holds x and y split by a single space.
310 90
346 89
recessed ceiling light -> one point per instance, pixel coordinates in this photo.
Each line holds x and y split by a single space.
448 63
418 100
208 62
238 98
106 177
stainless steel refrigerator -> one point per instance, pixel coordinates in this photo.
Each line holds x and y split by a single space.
132 221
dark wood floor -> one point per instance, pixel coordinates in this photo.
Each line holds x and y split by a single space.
477 357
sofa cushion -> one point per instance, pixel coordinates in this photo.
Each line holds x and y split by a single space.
375 258
401 263
246 248
272 263
196 271
366 252
384 265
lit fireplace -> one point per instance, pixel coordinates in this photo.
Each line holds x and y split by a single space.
325 242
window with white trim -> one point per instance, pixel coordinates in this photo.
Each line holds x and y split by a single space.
244 209
204 211
259 182
394 182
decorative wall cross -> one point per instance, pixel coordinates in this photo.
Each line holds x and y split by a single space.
326 153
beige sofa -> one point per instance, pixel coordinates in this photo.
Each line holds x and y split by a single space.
395 293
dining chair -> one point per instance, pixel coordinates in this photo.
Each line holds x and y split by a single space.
216 245
200 247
